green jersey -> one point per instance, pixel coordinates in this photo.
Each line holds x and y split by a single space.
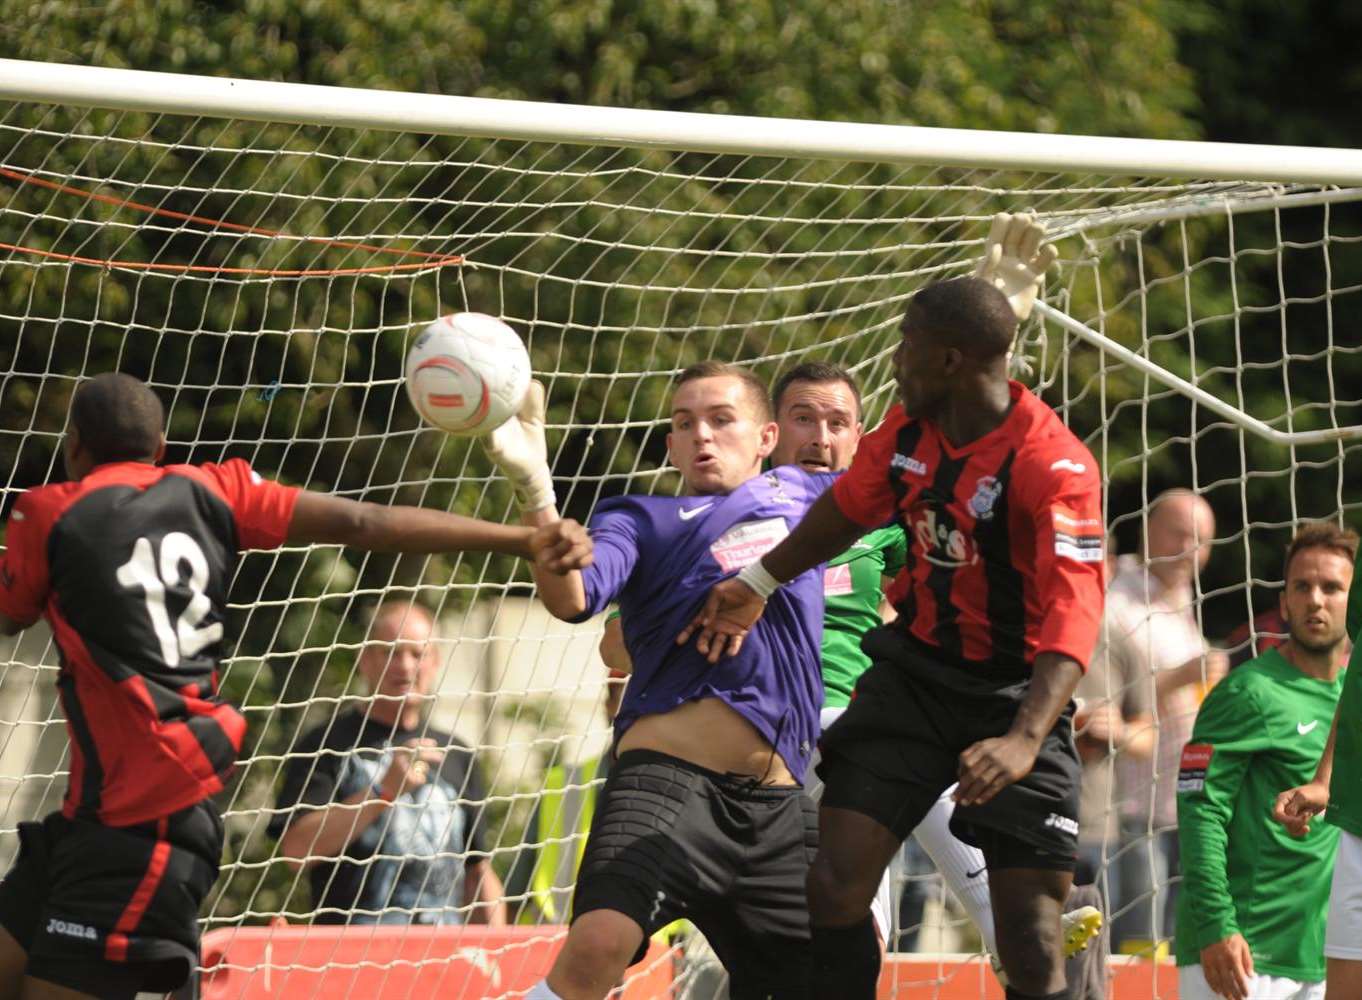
1345 788
852 590
1259 731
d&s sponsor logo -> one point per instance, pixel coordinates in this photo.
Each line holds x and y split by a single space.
941 545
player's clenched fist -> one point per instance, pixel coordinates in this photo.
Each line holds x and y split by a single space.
1296 807
561 547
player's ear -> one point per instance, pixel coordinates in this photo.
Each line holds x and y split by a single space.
71 453
770 435
671 460
952 359
160 450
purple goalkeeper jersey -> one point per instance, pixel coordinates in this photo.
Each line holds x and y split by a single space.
659 557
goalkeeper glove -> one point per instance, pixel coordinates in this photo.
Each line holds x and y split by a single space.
521 452
1015 260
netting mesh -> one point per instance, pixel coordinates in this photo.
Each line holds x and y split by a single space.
266 278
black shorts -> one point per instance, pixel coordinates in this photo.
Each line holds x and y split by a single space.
897 747
112 910
671 840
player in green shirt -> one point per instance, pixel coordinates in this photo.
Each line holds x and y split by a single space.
853 595
1251 913
1340 791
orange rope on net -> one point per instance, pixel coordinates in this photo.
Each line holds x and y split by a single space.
427 259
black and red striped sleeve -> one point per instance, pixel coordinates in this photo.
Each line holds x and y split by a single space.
262 508
24 579
865 492
1063 497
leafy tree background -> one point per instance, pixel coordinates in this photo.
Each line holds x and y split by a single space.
303 376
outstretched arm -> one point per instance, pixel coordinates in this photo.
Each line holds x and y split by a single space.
564 594
318 518
734 605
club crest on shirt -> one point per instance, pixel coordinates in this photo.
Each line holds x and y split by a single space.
986 494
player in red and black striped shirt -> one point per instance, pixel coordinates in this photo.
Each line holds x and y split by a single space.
999 605
130 564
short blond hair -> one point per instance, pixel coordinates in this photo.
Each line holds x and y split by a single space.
753 387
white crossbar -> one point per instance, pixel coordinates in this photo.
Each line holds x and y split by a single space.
224 97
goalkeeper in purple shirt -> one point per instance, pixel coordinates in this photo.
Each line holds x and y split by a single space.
703 815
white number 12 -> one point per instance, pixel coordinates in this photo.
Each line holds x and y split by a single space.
188 636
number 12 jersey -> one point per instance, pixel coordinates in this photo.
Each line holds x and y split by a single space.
131 567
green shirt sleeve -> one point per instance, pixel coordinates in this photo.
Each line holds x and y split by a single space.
1229 730
896 552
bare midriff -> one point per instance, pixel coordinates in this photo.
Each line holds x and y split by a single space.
712 735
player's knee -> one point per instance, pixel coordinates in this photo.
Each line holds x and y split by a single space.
837 896
598 949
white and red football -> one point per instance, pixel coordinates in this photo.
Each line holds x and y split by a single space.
467 373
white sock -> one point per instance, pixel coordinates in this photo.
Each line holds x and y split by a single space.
541 991
960 865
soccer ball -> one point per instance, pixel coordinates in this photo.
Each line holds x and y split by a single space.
467 373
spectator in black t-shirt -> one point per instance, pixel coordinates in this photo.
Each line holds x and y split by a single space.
383 810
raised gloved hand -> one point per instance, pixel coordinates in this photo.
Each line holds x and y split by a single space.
1015 259
521 452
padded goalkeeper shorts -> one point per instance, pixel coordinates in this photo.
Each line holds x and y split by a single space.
671 839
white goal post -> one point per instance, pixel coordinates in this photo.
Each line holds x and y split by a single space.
261 252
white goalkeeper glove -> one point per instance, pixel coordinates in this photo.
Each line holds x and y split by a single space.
1015 260
521 452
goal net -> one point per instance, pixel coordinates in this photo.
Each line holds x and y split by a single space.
265 271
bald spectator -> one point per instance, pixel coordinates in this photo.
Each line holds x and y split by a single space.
1152 637
381 809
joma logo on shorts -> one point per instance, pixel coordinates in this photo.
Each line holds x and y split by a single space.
67 928
1069 826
